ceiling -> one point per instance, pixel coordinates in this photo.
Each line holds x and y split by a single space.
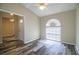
51 8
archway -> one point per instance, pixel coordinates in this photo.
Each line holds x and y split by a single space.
53 30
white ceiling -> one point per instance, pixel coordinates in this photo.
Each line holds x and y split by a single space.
51 8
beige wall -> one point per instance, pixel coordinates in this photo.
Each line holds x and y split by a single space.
31 21
67 20
8 27
77 29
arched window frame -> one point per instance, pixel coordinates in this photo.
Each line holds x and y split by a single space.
56 24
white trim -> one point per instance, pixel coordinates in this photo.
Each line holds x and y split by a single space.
29 41
11 12
68 43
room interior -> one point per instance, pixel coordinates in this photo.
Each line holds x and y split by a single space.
39 29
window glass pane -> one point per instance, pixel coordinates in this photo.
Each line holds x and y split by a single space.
53 32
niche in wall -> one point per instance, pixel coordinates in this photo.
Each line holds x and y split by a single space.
11 27
8 27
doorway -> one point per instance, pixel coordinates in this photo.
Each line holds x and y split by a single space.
12 30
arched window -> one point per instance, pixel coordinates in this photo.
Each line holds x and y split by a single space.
53 30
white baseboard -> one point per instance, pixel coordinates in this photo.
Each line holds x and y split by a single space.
29 41
68 43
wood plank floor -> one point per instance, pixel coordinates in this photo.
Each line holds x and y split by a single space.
53 48
44 47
